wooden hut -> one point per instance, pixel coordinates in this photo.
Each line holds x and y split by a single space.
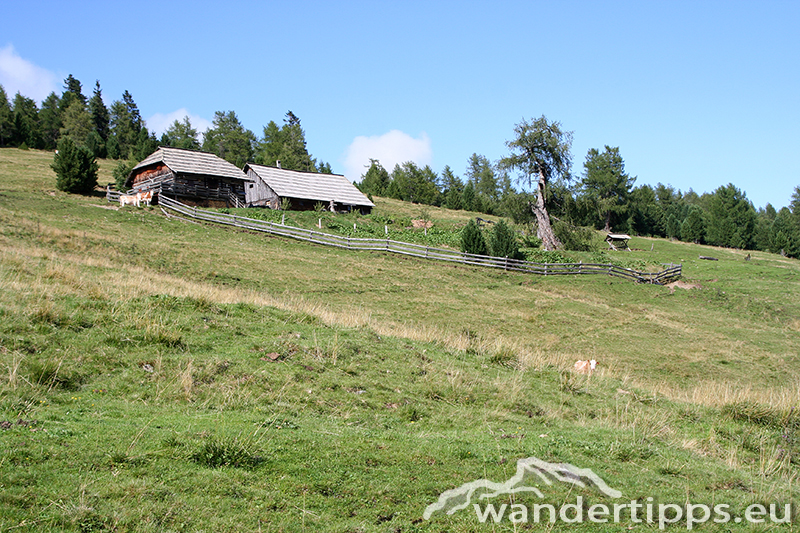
192 177
270 186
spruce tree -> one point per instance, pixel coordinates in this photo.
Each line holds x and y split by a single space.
376 180
468 197
125 124
99 112
6 119
503 241
26 123
286 144
75 168
472 241
50 121
693 228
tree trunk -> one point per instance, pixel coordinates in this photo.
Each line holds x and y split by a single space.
607 229
545 230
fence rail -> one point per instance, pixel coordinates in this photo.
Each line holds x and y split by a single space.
416 250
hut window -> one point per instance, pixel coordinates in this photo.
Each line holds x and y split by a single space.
212 184
251 185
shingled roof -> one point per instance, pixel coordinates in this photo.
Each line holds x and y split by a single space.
310 185
183 161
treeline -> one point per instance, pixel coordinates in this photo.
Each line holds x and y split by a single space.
602 197
119 132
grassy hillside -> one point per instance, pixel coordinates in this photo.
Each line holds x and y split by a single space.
163 376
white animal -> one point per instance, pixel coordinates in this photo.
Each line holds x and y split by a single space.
129 199
585 367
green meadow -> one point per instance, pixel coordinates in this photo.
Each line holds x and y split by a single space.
159 375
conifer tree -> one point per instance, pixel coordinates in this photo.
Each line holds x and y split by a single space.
541 154
286 144
181 134
472 241
72 92
75 168
77 123
6 119
99 112
125 124
229 139
50 121
503 241
376 180
693 227
26 123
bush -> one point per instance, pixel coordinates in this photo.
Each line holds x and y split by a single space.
504 242
75 168
472 241
575 238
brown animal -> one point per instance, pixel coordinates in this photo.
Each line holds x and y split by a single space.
585 367
146 197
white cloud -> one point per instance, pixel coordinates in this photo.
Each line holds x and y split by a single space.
160 122
18 75
392 148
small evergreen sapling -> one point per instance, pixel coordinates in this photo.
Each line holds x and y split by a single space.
75 168
472 241
504 241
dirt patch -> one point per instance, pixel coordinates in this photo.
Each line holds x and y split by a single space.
419 224
112 207
680 284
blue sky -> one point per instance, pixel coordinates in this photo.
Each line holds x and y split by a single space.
695 94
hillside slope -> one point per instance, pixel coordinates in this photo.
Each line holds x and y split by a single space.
170 376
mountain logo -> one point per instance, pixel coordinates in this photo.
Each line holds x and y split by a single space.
531 468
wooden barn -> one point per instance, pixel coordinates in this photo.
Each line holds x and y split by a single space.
192 177
270 186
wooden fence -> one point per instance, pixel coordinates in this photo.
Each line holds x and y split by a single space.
171 206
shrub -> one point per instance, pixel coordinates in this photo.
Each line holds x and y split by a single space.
575 238
472 241
504 241
75 168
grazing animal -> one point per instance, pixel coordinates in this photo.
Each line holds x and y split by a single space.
585 367
128 199
146 197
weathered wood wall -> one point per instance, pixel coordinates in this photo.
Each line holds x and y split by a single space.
258 193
